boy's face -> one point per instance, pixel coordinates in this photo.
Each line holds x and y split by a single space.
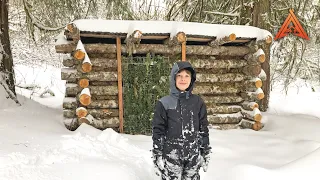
183 79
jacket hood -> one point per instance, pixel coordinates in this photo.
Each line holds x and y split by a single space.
175 69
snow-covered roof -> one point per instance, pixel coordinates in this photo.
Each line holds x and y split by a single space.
169 27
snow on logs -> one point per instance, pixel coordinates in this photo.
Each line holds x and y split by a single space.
80 112
223 126
177 39
222 109
249 105
87 119
216 89
258 56
98 63
223 40
86 82
80 52
159 49
72 32
86 64
85 97
252 84
250 109
255 125
100 123
225 118
180 37
81 55
257 82
229 77
72 103
134 37
217 63
96 113
262 75
253 96
267 39
254 115
254 45
226 99
72 75
100 118
73 89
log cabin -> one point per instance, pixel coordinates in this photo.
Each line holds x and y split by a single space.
228 60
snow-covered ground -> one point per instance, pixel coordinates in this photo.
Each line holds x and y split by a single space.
34 143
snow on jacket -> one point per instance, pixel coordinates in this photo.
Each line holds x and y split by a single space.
180 119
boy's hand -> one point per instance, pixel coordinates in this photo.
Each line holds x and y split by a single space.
205 158
158 162
204 162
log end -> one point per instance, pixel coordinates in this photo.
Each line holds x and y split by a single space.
83 83
255 105
81 112
257 126
258 83
137 34
85 99
86 67
79 55
70 27
268 39
262 58
181 37
260 96
258 117
232 37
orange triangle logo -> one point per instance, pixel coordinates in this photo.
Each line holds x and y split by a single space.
291 25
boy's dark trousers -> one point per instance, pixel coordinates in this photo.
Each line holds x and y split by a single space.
181 164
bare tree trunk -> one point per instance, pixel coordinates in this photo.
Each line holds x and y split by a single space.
6 61
261 14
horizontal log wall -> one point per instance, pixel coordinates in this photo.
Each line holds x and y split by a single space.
227 76
158 49
225 83
101 81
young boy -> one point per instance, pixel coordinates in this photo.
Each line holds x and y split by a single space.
180 128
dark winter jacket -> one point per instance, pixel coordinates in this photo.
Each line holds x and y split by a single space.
180 119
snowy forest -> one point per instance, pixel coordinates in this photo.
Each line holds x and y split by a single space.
36 145
38 22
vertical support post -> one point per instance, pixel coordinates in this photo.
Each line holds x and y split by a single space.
120 84
183 51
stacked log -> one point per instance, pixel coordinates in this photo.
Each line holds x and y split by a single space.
91 86
253 95
219 83
223 40
231 86
229 78
72 33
